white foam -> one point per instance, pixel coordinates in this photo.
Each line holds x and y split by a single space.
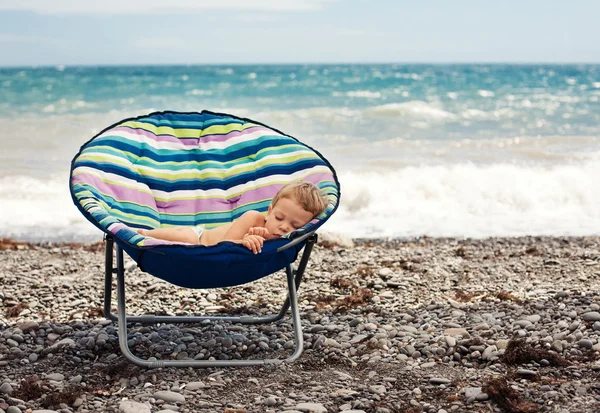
459 200
41 210
486 93
415 108
465 200
363 94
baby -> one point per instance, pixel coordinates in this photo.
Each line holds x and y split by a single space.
294 205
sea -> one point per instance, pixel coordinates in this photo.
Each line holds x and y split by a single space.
465 150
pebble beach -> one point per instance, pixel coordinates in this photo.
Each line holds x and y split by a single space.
414 325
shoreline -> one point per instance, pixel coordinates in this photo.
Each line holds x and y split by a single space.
415 325
333 237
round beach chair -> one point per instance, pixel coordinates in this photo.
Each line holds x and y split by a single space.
172 169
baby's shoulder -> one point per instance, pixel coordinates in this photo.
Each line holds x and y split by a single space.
257 217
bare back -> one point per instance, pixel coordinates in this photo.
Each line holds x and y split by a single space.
216 235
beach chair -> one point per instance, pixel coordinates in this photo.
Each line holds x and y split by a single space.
171 169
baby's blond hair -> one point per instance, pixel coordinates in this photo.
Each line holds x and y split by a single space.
307 194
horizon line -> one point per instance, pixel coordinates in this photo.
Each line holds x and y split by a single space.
415 63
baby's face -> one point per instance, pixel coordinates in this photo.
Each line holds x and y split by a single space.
286 216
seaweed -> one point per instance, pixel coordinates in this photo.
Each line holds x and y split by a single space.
520 352
507 398
15 310
68 395
29 389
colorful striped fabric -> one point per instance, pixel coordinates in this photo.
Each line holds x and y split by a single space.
170 169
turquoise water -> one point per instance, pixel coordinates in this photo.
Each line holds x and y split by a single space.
458 150
473 100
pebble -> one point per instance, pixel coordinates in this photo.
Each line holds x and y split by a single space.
526 372
585 343
378 389
472 392
311 407
270 401
428 336
127 406
6 388
439 380
450 341
456 332
170 397
591 316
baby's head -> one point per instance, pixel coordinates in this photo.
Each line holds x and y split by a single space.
294 206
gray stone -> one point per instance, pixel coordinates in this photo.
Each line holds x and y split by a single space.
439 380
195 385
270 401
128 406
28 325
471 392
6 388
456 332
55 377
12 343
311 407
409 329
487 353
170 397
65 342
377 389
451 341
502 344
585 343
591 316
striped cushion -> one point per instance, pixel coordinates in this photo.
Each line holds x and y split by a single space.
170 169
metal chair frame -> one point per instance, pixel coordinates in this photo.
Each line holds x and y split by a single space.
294 277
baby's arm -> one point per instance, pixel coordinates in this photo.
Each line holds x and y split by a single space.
176 234
242 225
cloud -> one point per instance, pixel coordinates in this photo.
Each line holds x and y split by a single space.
349 32
26 38
254 17
160 43
157 6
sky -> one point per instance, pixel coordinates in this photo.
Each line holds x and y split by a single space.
117 32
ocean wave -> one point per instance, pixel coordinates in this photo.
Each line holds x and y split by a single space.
41 210
415 109
466 200
458 200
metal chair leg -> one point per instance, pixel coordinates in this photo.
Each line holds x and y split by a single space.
123 319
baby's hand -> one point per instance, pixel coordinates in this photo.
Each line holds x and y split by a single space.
253 242
260 231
